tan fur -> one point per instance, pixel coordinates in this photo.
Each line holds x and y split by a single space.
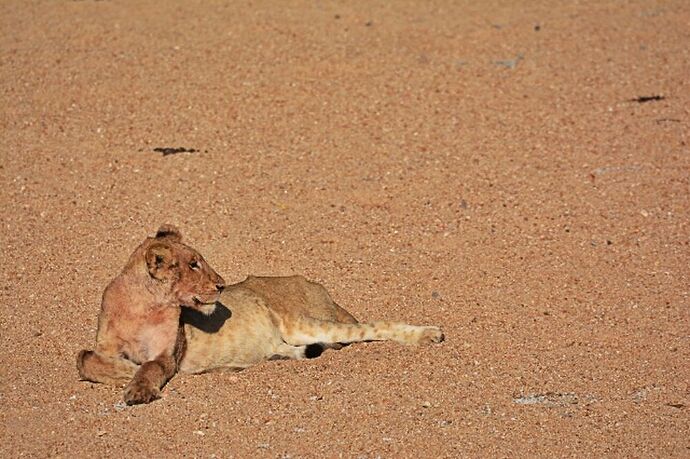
144 336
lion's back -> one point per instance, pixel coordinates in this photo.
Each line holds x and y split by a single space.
294 295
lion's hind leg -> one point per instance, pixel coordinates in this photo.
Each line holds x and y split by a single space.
99 368
304 331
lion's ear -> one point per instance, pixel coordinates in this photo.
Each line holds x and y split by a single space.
170 232
160 261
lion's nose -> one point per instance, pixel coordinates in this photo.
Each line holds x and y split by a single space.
220 287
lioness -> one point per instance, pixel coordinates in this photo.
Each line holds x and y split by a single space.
169 311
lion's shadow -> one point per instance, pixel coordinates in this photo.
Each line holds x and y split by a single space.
209 324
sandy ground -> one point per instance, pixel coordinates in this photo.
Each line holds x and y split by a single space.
517 172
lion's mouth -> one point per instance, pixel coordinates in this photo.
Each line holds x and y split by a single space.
206 307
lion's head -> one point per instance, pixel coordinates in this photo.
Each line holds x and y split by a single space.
189 278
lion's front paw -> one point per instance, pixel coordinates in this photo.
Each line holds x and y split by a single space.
431 335
81 359
140 392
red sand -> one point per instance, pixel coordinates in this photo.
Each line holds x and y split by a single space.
482 166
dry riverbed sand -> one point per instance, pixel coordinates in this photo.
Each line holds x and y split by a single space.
514 171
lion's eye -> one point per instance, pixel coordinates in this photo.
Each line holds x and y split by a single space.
194 265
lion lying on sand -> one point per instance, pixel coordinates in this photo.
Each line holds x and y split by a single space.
169 311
